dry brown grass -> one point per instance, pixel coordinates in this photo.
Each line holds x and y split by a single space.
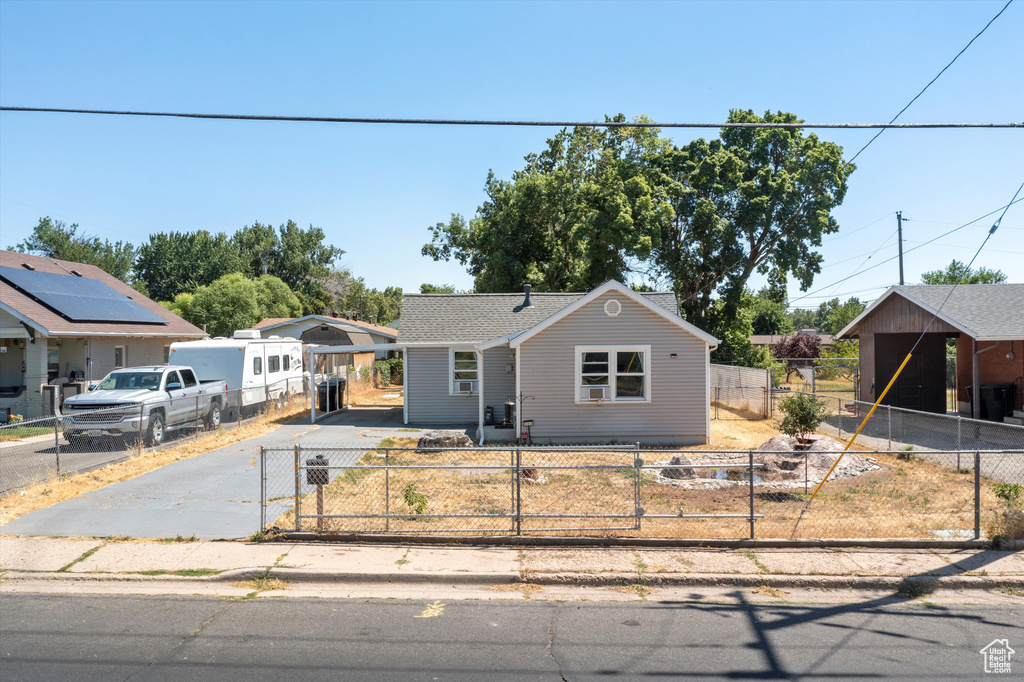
907 497
49 493
364 394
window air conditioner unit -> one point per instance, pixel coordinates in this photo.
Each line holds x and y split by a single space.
465 386
594 392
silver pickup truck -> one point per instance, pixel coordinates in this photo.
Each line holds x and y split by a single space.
146 402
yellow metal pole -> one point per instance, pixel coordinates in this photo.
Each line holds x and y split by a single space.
861 427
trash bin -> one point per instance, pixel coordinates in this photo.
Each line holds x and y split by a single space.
996 401
329 394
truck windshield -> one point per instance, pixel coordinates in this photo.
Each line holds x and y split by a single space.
119 381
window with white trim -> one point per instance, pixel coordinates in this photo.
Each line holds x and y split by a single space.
464 372
613 373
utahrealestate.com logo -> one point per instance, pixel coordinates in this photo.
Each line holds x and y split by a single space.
997 656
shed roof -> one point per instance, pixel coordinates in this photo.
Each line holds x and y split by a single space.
272 322
39 316
472 318
986 312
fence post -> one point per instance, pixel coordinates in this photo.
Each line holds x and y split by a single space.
888 412
56 443
387 490
263 489
959 447
638 464
977 495
519 501
298 505
750 472
839 411
512 488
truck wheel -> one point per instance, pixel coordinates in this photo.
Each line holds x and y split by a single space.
155 432
213 418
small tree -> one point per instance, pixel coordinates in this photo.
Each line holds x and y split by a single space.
803 415
797 351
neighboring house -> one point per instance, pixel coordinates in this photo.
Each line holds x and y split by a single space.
329 334
610 365
758 340
64 324
987 321
296 327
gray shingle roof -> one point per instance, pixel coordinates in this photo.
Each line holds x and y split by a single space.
471 318
984 311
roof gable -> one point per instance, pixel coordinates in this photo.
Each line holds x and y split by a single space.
613 286
986 312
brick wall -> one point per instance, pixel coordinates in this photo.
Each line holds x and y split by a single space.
993 367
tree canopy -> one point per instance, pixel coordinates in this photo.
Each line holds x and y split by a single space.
703 217
235 302
958 273
56 239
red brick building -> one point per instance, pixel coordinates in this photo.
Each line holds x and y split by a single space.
987 321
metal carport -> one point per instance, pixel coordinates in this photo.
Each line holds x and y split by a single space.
314 351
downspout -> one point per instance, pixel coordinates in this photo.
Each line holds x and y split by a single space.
480 396
405 384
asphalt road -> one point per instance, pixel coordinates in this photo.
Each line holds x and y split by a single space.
49 637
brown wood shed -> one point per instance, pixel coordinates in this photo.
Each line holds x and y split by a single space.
987 321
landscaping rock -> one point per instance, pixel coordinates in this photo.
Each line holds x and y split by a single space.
779 443
679 473
443 439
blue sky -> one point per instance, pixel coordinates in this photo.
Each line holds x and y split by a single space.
375 189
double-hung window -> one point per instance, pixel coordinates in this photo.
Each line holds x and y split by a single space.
464 373
613 373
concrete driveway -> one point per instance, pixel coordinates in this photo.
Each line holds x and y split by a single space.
212 496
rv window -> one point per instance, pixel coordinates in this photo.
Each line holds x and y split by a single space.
188 378
257 365
287 360
273 364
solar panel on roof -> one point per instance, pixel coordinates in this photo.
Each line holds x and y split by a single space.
79 299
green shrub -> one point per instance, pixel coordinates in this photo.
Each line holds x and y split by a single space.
383 371
417 501
804 413
1011 494
397 369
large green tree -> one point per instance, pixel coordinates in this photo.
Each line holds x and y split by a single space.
757 200
57 239
301 258
575 216
174 262
703 217
958 273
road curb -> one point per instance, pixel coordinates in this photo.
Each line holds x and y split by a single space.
926 583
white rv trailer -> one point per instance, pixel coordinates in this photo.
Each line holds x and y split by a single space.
256 370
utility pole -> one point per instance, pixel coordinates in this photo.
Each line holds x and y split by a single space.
899 238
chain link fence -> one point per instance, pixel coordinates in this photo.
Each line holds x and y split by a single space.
831 376
743 389
609 491
80 440
894 428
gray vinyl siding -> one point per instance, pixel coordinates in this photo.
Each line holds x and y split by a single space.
498 383
426 390
678 411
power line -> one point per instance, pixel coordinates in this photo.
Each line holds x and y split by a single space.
923 244
1009 2
482 122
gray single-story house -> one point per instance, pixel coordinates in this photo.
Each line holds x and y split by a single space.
608 365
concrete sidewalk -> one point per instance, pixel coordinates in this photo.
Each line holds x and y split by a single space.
307 567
